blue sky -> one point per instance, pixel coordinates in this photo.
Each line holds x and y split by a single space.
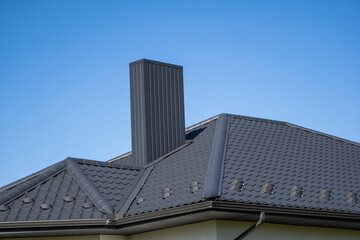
64 78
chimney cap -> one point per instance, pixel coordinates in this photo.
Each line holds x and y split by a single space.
156 62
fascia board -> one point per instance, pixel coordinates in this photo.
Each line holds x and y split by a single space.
198 212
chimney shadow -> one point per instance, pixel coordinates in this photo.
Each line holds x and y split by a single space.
193 134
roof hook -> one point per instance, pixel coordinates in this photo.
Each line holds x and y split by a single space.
252 228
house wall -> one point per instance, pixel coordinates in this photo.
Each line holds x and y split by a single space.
231 229
226 230
198 231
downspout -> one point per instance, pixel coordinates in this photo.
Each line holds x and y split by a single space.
253 227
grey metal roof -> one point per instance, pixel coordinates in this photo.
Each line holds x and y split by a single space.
71 189
112 182
179 178
228 158
299 165
53 191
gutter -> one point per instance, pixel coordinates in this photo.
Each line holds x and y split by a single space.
198 212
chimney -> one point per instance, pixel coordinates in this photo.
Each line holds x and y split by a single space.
157 109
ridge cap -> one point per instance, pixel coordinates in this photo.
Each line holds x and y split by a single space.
323 134
212 183
298 127
105 163
258 119
88 186
21 187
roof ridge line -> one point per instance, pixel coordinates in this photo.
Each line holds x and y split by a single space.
105 164
202 123
119 157
24 179
258 119
186 130
212 184
88 187
20 188
323 134
299 127
135 189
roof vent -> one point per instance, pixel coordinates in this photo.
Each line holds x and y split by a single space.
325 194
87 205
27 200
4 208
352 197
296 191
166 193
157 109
45 206
194 186
69 199
139 200
268 188
236 185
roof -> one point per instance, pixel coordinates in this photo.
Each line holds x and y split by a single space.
70 189
227 159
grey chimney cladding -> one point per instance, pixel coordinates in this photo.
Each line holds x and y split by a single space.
157 109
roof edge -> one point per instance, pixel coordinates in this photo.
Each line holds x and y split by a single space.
192 213
243 212
21 187
298 127
323 134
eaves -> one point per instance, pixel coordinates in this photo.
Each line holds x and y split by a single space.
203 211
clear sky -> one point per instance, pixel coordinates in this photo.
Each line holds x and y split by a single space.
64 78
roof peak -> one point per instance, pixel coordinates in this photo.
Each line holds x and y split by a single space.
104 163
294 126
284 123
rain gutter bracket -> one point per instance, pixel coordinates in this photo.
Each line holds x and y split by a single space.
111 218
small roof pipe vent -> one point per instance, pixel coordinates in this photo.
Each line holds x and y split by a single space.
157 109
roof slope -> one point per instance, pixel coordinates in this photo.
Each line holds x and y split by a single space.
227 158
177 179
279 164
71 189
112 182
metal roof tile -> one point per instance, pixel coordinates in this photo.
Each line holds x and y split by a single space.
286 156
177 171
266 162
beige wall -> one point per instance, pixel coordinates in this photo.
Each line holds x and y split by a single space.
231 229
227 230
198 231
